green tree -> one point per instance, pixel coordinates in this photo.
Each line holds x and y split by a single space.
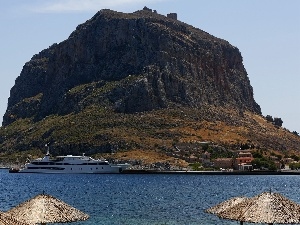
244 146
294 166
205 147
295 157
260 163
257 154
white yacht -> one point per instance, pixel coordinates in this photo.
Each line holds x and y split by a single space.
71 164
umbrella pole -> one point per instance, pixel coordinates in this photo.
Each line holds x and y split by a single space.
241 222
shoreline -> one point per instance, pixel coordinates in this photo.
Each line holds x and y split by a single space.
188 172
191 172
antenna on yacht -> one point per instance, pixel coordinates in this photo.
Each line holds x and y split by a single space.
48 153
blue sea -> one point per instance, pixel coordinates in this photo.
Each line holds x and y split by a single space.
139 199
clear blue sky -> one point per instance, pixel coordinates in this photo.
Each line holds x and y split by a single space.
267 32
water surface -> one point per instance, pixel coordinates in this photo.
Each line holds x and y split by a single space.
152 199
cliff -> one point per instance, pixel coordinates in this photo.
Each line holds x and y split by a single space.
148 61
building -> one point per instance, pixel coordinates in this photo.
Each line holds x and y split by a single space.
172 16
224 163
206 159
287 160
244 154
243 163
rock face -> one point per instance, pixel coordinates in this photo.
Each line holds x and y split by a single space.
131 62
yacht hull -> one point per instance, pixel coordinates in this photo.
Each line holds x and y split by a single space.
72 164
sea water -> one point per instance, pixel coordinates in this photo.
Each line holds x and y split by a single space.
139 199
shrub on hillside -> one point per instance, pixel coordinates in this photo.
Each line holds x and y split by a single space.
269 118
296 133
278 122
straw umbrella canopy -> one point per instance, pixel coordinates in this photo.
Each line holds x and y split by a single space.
225 205
267 208
46 209
8 220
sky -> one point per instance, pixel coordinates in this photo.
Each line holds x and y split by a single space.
267 33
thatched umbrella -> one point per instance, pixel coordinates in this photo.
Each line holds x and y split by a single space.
267 208
46 209
225 205
8 220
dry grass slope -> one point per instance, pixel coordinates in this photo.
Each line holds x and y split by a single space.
143 136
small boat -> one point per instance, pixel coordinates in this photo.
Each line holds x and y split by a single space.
72 164
13 170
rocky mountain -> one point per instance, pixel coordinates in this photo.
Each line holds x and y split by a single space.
154 61
136 81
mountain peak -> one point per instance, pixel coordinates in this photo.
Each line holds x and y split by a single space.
154 61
